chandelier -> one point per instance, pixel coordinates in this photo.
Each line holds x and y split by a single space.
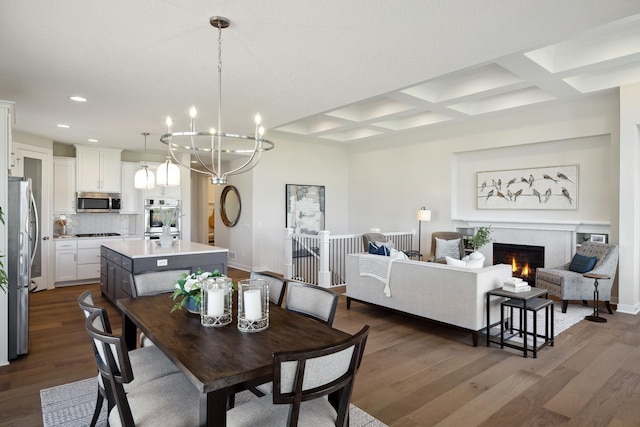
206 148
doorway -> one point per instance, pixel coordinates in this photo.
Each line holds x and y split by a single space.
36 163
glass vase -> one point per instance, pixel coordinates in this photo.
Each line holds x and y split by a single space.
216 302
166 239
253 305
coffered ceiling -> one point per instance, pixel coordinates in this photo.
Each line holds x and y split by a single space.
340 71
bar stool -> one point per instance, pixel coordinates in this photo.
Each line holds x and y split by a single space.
533 305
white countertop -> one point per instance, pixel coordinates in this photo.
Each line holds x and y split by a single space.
151 248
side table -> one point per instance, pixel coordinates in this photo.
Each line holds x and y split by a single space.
413 255
523 296
533 305
596 311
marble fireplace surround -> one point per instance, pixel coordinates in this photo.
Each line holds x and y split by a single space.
559 238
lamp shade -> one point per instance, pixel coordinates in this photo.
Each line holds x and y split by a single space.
424 214
168 174
144 179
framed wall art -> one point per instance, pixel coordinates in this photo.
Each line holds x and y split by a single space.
305 208
553 187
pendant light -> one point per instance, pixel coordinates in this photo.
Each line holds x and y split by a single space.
168 172
144 178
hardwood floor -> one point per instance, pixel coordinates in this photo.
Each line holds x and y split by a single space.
414 373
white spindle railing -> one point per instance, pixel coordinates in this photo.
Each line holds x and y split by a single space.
320 259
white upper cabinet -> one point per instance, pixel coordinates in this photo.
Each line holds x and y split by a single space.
131 201
64 185
98 169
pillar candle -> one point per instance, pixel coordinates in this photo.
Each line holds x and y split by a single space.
252 305
215 302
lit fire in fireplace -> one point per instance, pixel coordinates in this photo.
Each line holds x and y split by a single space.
523 272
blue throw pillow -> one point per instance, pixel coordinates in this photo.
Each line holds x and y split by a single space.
582 264
378 250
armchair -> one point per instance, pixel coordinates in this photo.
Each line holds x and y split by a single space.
445 235
373 238
569 285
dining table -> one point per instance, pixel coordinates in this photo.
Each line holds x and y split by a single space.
220 361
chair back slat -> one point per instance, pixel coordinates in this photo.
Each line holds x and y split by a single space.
312 301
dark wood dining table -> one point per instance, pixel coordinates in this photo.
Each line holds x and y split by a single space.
220 361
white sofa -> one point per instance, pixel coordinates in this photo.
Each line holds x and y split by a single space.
445 294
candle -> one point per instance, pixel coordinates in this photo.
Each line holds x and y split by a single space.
215 302
252 305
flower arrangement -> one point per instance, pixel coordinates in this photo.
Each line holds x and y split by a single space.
188 286
481 238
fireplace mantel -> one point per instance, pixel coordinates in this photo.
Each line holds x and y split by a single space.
572 226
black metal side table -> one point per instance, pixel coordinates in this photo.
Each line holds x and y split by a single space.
596 311
523 296
413 255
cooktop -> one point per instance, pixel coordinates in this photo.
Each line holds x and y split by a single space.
97 235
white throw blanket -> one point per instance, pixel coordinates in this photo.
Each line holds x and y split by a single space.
379 267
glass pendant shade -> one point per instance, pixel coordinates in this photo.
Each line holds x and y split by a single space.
168 174
144 179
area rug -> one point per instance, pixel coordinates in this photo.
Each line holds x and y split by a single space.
561 321
72 405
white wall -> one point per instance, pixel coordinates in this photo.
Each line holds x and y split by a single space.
389 179
258 238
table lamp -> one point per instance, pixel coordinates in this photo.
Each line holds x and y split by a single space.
423 215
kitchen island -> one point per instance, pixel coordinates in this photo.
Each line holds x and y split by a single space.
121 261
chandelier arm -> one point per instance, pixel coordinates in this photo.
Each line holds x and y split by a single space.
250 167
234 171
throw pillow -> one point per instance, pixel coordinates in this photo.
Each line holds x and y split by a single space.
447 248
375 250
582 264
475 263
389 244
455 262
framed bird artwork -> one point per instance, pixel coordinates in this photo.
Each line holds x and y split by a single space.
552 187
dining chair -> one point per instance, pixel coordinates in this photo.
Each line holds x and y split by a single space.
169 400
308 300
277 285
312 301
149 363
301 380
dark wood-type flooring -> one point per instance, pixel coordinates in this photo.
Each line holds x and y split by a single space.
414 373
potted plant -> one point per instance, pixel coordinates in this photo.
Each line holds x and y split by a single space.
188 291
481 238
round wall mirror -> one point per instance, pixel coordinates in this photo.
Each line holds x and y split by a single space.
231 206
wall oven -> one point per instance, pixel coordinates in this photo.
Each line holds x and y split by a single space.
98 202
157 213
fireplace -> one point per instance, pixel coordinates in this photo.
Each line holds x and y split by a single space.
524 259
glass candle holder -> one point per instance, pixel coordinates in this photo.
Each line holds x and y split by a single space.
216 302
253 305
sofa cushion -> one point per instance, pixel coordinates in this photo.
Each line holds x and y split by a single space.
465 262
447 248
378 250
582 264
456 262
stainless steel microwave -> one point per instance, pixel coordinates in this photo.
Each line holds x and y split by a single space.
98 202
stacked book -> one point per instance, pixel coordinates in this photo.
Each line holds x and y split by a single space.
515 284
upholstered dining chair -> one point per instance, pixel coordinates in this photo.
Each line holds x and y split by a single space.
301 382
276 283
568 285
439 250
149 363
312 301
308 300
168 400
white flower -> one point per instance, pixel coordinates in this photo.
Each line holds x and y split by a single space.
191 284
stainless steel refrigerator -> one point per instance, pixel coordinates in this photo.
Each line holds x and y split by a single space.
22 227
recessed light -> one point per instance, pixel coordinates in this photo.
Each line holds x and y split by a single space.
78 99
92 140
64 126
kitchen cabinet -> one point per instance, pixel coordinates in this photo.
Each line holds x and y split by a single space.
66 260
64 185
97 169
159 191
130 201
88 259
